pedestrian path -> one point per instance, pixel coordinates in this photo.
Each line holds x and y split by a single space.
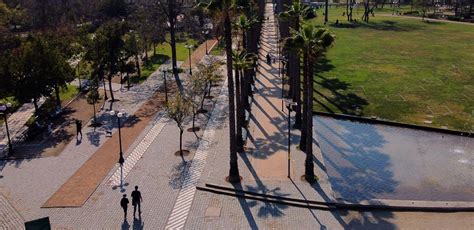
9 217
267 143
80 186
17 121
138 151
185 198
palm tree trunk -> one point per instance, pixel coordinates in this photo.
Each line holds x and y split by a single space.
305 108
309 165
234 175
295 73
240 110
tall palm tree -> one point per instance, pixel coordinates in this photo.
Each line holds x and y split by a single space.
222 10
312 42
295 13
244 24
241 61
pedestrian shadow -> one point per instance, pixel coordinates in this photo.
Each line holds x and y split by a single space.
125 225
138 223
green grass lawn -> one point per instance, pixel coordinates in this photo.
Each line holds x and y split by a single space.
163 53
399 69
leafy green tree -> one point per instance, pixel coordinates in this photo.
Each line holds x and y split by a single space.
111 47
179 109
196 91
93 98
313 43
132 47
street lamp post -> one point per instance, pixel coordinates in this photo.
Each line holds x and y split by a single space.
166 85
206 32
290 106
189 47
4 110
121 160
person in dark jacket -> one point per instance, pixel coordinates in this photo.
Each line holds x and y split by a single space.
136 201
124 203
78 128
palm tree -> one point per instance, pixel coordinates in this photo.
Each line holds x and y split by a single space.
295 13
244 24
241 61
221 9
312 42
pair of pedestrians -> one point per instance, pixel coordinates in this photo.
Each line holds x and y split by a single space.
136 201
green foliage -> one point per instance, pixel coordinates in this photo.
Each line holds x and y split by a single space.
242 60
178 109
310 40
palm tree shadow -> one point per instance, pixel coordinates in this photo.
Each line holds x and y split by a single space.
358 170
341 97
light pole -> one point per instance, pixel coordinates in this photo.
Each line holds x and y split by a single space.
4 110
121 160
166 85
291 107
206 32
189 47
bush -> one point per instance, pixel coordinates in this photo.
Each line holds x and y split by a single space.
454 18
411 13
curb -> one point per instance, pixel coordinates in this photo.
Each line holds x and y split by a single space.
393 123
322 205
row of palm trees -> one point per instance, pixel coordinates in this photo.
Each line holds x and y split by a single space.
307 43
241 62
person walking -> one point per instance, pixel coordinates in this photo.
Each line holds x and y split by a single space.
78 128
124 203
136 201
269 59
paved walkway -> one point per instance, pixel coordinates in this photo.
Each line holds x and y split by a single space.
16 122
268 127
83 183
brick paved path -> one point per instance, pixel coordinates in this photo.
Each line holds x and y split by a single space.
9 217
268 124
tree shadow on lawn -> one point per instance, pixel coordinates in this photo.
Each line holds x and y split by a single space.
384 25
346 102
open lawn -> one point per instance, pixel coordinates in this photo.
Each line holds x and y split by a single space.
399 69
163 53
